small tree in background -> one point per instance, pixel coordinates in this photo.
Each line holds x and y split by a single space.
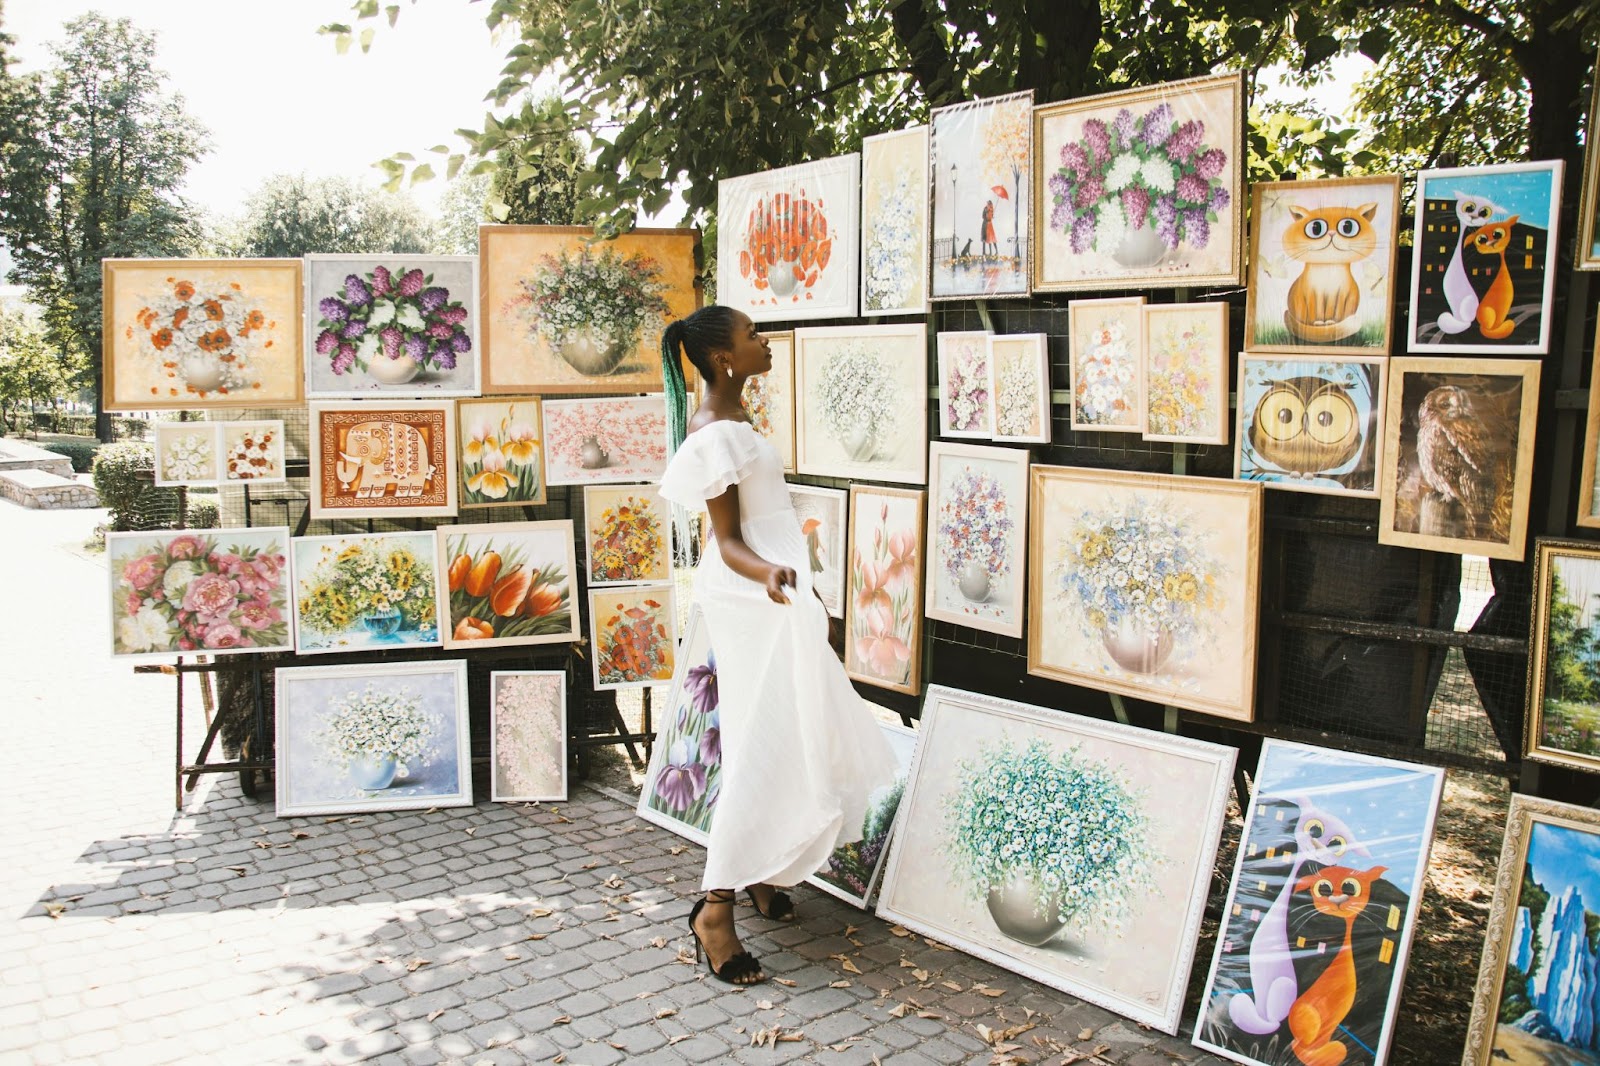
31 370
291 215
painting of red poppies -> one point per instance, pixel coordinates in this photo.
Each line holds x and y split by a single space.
508 583
633 635
883 608
685 775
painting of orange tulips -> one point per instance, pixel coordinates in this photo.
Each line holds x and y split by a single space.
508 583
883 608
633 636
502 452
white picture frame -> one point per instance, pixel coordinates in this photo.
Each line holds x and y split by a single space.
892 360
830 509
977 491
628 433
965 404
878 831
894 222
1019 368
509 773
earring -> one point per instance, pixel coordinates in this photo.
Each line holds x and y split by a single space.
730 371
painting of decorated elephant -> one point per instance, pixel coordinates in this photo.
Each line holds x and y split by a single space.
379 455
396 458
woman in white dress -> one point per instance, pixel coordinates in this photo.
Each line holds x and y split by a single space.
800 750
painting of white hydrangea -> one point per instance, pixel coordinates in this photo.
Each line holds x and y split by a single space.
1019 387
1035 839
860 402
186 453
527 735
894 223
1107 342
963 360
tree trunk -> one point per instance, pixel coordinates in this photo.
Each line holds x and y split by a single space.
102 420
1070 31
1557 101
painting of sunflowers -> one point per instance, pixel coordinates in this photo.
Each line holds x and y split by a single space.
502 452
508 583
626 534
633 637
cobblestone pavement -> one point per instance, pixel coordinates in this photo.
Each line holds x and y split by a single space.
495 934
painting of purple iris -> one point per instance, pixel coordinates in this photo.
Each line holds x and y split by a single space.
681 789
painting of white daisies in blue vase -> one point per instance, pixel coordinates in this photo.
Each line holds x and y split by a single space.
1040 841
685 776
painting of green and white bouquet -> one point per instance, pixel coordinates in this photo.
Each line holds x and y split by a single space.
592 307
855 394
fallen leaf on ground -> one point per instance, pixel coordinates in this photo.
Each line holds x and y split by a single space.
678 849
680 1038
512 956
565 1019
559 1059
619 1045
590 865
763 1004
612 882
952 986
415 964
850 930
434 1015
666 1012
850 967
899 930
992 993
658 942
472 831
1085 1034
920 975
262 844
540 912
299 834
54 909
537 936
838 984
784 981
907 964
898 1010
930 1015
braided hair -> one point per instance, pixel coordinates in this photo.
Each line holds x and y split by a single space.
695 336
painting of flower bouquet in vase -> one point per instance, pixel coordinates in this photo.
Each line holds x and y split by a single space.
201 333
861 402
627 538
977 536
633 635
212 591
384 737
1185 373
883 609
1019 387
822 522
1043 842
608 439
769 398
980 164
963 361
527 736
508 583
788 240
685 775
391 325
365 592
852 871
1145 585
894 222
1311 953
1142 187
186 453
253 451
1107 343
502 452
396 459
564 312
1311 424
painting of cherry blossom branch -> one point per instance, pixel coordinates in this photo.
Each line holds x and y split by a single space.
605 440
527 736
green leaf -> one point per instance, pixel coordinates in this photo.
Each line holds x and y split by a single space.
1319 50
393 11
341 43
366 38
1375 43
422 173
453 166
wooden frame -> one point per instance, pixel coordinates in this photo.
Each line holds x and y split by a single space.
1189 639
1142 262
665 644
193 467
159 323
612 566
1013 357
980 752
769 399
1348 383
1511 927
985 136
504 734
883 593
260 459
964 415
884 365
428 423
996 509
500 454
1096 340
1207 332
327 570
604 440
1273 268
1588 514
1536 745
1479 416
810 502
903 193
491 595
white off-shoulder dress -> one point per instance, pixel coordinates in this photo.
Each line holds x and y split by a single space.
800 750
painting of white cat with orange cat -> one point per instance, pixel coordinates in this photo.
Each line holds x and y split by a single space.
1322 262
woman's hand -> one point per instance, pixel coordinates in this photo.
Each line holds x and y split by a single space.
777 578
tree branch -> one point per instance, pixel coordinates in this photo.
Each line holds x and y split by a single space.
931 61
820 94
1451 114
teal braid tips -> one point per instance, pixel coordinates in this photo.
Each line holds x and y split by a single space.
677 390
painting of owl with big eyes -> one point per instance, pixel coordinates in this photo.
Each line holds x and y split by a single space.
1306 425
1309 424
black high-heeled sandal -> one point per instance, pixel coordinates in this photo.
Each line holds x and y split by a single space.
737 970
780 908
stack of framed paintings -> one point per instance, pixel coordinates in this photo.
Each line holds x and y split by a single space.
980 165
852 872
977 536
883 605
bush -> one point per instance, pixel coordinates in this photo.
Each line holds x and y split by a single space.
203 515
123 475
82 455
122 428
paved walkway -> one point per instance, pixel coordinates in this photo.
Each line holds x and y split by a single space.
496 934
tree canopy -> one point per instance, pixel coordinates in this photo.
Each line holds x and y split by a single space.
290 215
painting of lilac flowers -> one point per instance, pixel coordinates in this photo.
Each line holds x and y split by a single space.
894 223
980 164
1043 842
978 519
1145 585
502 452
861 402
605 439
1107 344
883 605
379 737
852 871
527 736
963 362
565 311
391 326
685 774
1141 188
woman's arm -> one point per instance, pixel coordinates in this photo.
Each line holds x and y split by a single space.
739 556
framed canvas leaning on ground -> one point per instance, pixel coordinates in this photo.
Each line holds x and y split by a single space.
852 871
894 223
1106 341
1483 274
1019 387
822 522
384 737
977 536
507 583
1533 1001
365 592
1458 455
563 312
502 452
1145 585
963 361
1563 720
1312 950
980 164
883 597
861 402
395 459
1102 897
201 333
683 780
769 398
1141 188
1185 373
1322 256
527 736
1312 424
